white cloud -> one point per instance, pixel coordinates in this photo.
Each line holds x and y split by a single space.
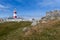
2 6
51 3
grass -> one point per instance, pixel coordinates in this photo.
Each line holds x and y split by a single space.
7 27
13 31
49 31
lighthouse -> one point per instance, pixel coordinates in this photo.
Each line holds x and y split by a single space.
14 14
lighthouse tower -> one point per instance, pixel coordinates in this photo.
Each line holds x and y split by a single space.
14 14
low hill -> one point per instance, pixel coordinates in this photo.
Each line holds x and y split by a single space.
41 31
45 31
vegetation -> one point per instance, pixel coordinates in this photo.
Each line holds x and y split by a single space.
9 27
46 31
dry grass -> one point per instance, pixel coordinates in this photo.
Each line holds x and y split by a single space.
48 31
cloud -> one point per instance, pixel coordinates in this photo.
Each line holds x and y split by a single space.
51 3
44 3
2 6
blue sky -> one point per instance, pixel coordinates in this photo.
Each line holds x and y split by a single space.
28 8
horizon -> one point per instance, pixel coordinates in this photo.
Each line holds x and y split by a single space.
28 8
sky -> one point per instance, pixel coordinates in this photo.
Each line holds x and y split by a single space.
28 8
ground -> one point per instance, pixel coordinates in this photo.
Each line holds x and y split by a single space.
41 31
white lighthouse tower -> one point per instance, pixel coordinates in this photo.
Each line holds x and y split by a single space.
14 14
